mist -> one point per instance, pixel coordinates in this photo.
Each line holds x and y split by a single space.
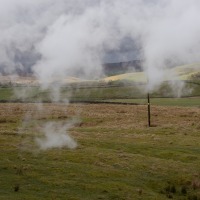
54 135
57 39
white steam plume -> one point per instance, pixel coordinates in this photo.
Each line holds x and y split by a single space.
66 37
56 136
69 37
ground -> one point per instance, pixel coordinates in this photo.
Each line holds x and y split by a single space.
118 156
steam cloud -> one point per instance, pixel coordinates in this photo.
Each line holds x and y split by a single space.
55 136
61 38
65 37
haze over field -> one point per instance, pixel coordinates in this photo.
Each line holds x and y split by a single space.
100 99
70 37
73 38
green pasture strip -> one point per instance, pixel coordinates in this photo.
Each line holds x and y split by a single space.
6 93
162 101
93 93
36 94
105 93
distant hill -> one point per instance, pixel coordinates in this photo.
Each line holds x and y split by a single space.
109 69
128 71
122 67
183 72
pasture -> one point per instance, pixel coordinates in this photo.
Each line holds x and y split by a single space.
118 156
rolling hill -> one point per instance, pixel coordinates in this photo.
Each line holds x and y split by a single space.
183 72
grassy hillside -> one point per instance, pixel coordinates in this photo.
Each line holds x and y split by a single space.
136 76
124 87
183 72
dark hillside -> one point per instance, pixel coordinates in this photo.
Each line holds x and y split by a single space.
122 67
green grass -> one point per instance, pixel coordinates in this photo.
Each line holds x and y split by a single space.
164 95
117 157
162 101
35 94
6 94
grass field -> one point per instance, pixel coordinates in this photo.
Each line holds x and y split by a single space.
118 156
106 92
162 101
